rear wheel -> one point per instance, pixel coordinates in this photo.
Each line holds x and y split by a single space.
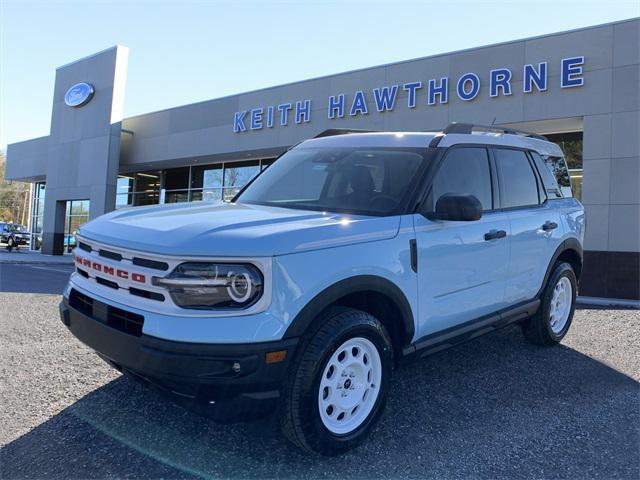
552 320
340 381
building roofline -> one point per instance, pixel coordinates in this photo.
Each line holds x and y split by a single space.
384 65
115 47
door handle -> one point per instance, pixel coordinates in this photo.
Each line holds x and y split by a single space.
549 226
493 234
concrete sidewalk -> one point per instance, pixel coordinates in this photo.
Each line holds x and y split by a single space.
26 256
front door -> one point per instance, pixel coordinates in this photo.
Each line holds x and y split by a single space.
462 266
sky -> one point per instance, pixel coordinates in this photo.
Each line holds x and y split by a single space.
188 51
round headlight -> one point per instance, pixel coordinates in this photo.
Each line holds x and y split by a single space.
202 285
239 286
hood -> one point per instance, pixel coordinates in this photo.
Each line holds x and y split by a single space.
233 230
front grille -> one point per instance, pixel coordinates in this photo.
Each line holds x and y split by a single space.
119 257
107 283
126 321
146 294
81 302
122 320
85 247
112 255
145 262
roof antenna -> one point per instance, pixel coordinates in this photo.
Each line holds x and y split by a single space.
494 121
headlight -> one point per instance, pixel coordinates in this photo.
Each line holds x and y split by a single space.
207 286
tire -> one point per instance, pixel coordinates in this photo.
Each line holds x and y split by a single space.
335 373
551 323
10 244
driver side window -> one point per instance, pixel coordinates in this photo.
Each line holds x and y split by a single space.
465 170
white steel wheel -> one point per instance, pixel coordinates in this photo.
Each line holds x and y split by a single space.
560 307
350 385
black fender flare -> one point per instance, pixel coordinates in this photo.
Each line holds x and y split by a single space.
569 244
360 283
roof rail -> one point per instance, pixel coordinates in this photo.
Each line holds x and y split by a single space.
341 131
470 127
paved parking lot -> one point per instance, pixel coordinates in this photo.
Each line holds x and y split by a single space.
495 407
34 278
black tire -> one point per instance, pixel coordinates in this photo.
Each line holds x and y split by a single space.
300 418
538 328
10 244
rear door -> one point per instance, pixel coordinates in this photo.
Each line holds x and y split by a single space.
535 223
462 266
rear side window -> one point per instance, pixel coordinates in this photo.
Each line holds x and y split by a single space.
559 168
519 186
465 170
548 178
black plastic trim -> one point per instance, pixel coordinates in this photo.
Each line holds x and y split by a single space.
112 255
468 128
107 283
360 283
146 294
85 247
474 328
413 248
332 132
183 367
154 264
568 244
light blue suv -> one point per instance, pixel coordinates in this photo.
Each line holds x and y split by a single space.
351 254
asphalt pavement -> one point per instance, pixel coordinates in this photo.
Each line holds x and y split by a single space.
496 407
34 277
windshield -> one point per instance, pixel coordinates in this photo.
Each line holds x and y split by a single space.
367 181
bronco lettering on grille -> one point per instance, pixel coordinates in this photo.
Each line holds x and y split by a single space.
116 272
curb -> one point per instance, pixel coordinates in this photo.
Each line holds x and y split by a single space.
609 302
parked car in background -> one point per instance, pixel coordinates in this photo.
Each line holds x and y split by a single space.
13 235
69 241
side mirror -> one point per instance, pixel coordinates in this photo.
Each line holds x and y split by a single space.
461 207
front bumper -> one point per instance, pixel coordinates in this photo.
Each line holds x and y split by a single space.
226 382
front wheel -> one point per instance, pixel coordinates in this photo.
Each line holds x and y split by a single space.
10 244
558 302
340 382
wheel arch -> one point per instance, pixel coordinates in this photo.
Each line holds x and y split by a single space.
370 293
570 251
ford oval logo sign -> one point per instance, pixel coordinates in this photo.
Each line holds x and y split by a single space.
79 94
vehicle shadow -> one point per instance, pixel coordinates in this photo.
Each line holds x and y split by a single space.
495 407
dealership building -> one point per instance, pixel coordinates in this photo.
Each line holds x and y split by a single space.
579 88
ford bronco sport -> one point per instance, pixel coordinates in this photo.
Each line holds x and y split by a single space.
351 254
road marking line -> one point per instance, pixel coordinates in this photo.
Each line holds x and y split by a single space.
51 269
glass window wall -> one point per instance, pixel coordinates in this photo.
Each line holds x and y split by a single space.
187 184
37 215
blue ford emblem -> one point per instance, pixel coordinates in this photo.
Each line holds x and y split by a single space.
79 94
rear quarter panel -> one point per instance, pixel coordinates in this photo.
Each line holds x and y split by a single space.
573 217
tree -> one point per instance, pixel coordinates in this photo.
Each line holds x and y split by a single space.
14 197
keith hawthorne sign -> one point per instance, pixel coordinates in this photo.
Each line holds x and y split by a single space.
435 91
